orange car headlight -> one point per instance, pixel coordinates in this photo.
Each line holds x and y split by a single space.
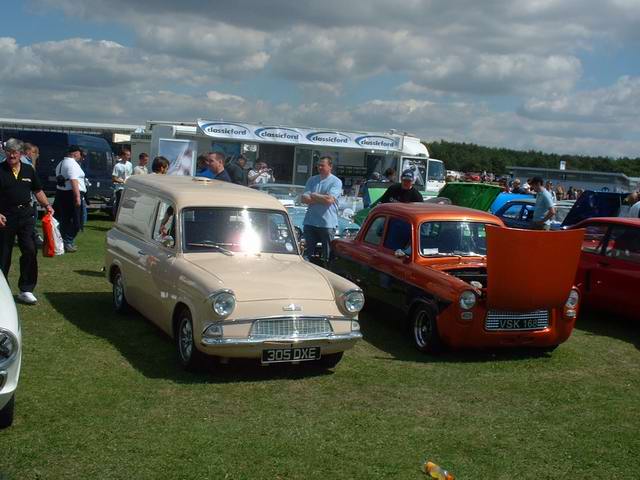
467 300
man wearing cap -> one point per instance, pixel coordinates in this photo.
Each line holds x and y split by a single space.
17 181
321 193
544 209
70 191
403 192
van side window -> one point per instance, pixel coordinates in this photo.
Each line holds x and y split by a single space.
164 230
136 212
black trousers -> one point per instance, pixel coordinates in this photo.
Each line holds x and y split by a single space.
69 216
21 223
116 202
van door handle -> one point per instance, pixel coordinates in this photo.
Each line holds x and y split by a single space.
140 252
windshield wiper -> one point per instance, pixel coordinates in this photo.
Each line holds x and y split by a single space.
209 244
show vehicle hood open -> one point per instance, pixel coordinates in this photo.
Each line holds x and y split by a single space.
594 204
530 269
471 194
266 276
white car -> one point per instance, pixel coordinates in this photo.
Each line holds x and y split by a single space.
10 353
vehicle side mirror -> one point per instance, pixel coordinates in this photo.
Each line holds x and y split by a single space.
399 253
168 241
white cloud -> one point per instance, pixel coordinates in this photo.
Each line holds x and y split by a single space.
438 69
233 49
618 104
81 62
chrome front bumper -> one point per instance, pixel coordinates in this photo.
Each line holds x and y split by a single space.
292 340
283 330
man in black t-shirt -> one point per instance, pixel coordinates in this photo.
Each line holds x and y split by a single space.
403 192
17 181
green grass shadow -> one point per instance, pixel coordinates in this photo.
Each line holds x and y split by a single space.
151 352
605 324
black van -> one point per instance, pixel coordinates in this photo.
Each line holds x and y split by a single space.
53 146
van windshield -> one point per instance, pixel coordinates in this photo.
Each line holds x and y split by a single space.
99 158
230 230
436 171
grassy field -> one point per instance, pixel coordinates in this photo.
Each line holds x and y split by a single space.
101 396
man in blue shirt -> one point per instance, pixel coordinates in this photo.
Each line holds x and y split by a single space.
544 210
321 193
215 168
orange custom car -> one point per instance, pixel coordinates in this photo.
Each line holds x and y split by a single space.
462 279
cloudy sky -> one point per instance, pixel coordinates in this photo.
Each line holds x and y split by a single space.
552 75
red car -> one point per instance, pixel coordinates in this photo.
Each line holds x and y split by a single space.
462 279
609 271
472 177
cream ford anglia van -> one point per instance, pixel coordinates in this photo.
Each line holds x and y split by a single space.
217 267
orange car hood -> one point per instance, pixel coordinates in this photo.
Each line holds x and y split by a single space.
530 269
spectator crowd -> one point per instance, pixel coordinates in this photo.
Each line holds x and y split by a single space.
21 192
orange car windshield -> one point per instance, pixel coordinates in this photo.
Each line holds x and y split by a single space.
449 238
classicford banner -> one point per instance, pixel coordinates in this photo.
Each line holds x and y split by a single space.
300 136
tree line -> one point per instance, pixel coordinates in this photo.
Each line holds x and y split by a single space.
469 157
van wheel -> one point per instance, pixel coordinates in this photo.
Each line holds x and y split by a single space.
329 361
6 414
424 330
120 303
188 354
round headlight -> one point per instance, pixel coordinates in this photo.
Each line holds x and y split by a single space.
353 301
223 303
574 298
8 346
467 300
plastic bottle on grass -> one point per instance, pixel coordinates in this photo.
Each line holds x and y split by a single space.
436 472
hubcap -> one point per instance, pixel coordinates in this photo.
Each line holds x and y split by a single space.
118 290
186 339
422 329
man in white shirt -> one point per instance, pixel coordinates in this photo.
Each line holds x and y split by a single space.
141 168
261 173
121 171
70 192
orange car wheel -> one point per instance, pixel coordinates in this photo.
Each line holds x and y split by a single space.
424 329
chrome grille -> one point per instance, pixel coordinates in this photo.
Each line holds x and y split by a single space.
290 327
501 320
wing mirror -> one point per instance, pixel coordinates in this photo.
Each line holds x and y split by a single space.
168 241
403 254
